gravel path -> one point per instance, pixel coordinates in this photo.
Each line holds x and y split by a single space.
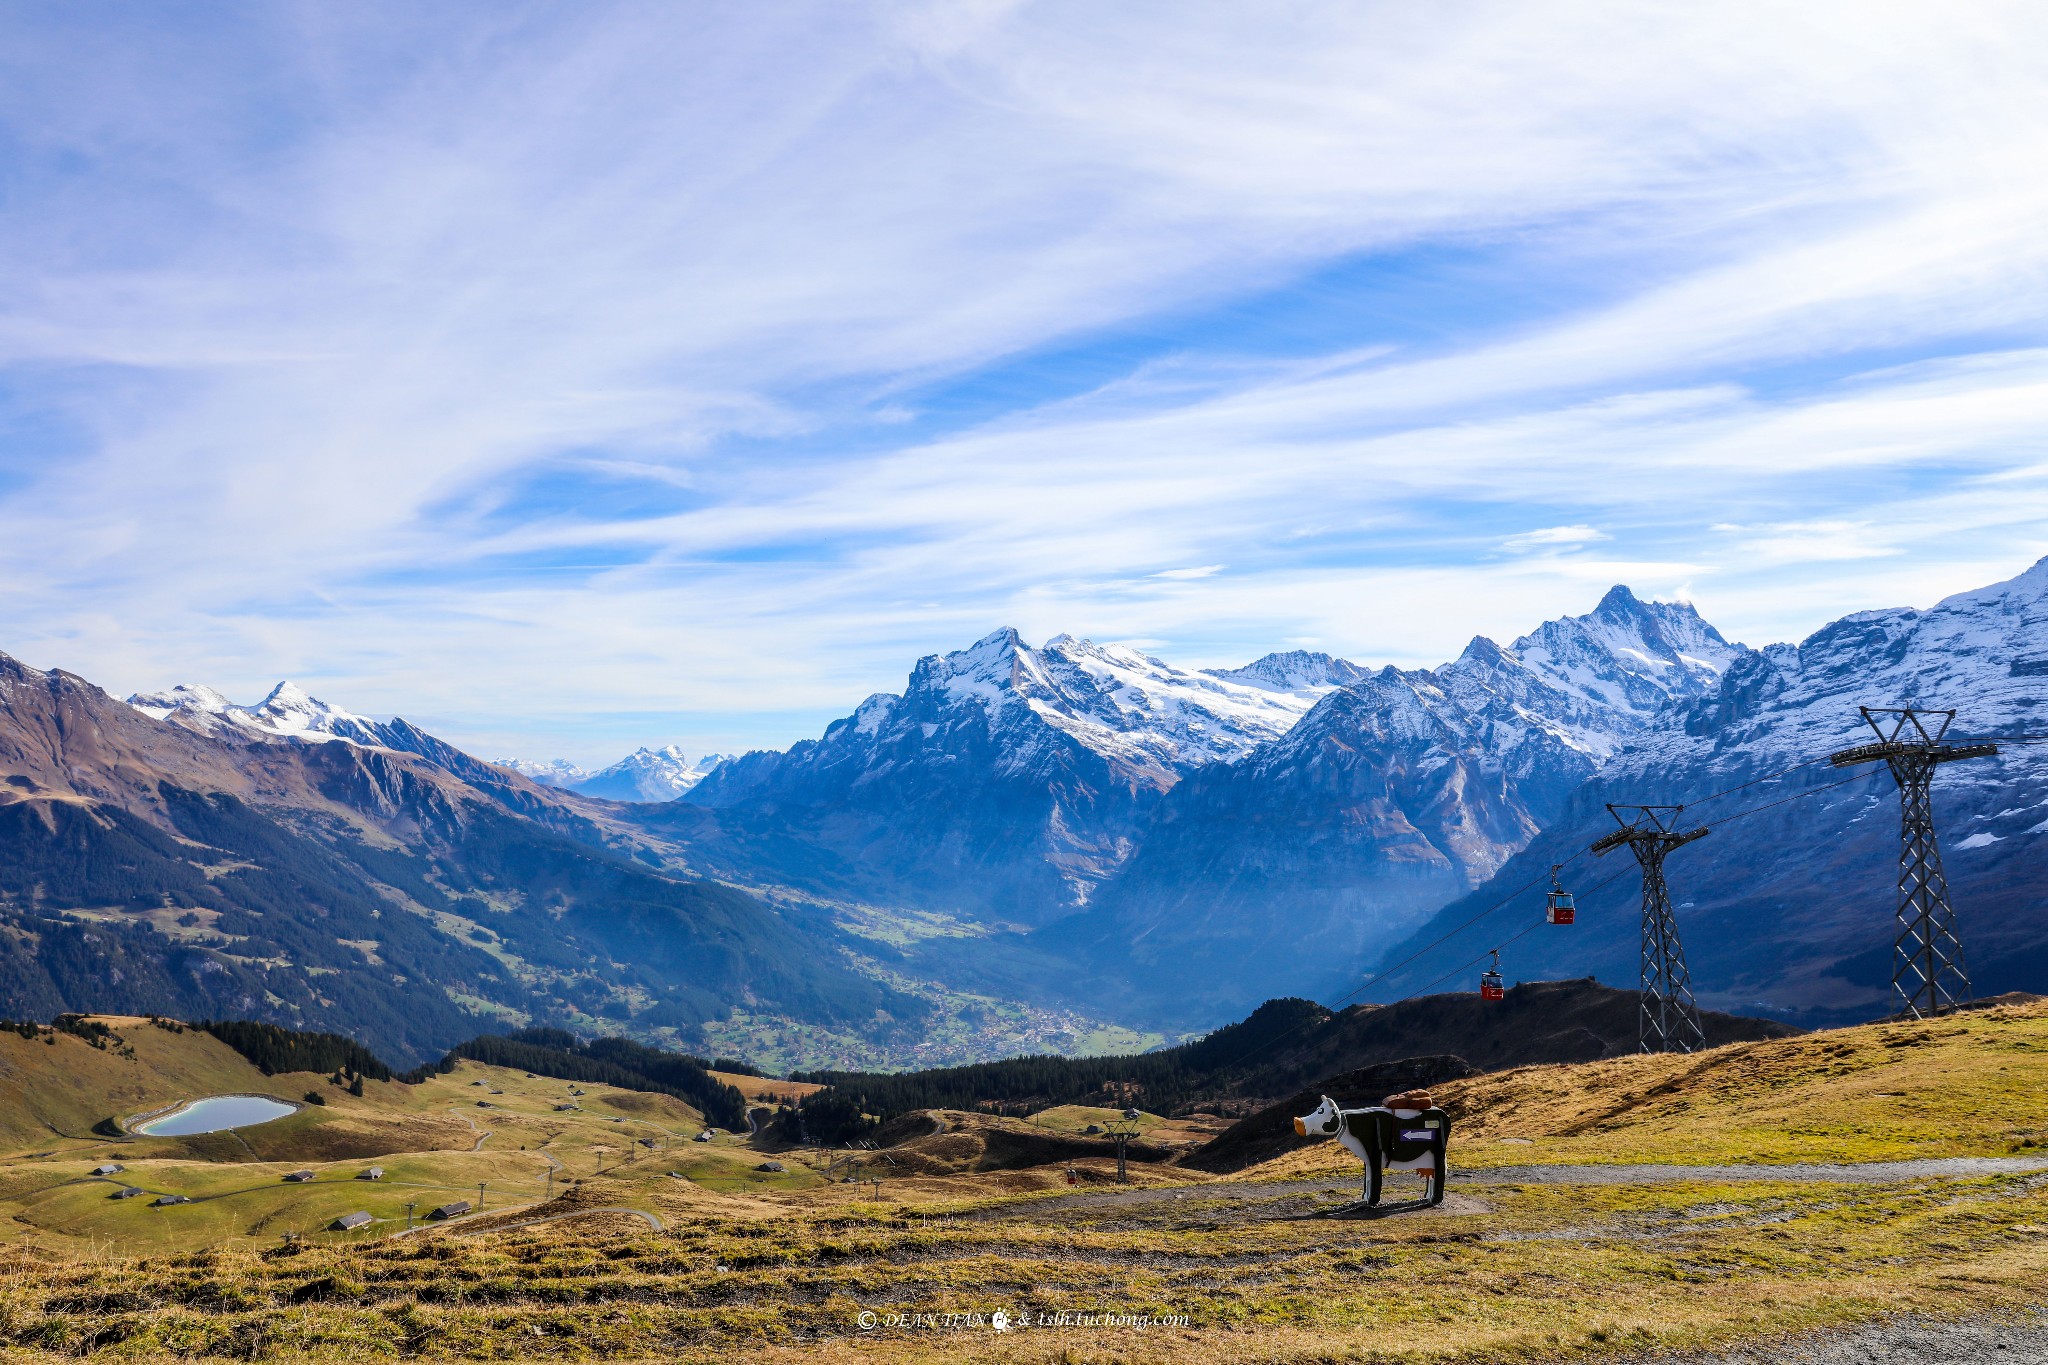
1264 1200
2020 1339
1844 1172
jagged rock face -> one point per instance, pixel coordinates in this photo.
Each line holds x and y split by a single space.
1394 795
1013 779
1790 909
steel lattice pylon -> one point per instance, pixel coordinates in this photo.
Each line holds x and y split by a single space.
1929 975
1669 1016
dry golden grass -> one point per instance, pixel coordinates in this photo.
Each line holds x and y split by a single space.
1974 1084
1543 1272
765 1090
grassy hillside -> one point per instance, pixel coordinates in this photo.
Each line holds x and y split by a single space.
60 1085
1974 1084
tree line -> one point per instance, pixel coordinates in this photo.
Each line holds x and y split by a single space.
1160 1081
273 1048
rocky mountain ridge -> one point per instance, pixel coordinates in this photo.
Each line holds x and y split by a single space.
1014 780
1395 794
205 863
1787 908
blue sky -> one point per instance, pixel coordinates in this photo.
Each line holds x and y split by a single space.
572 377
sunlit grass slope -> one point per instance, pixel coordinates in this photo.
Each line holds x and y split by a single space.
1973 1084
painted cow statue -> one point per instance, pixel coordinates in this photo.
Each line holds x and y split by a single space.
1405 1133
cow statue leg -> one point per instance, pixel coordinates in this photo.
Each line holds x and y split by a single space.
1359 1139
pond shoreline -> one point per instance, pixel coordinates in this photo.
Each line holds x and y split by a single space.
135 1125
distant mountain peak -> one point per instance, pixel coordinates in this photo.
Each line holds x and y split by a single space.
1293 670
553 772
646 774
1050 757
184 695
1619 600
287 711
1480 649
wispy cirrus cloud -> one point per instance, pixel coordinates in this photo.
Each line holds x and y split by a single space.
1554 538
685 373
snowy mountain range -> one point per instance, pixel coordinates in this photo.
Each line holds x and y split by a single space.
294 863
644 775
1026 785
1011 781
1188 842
1788 908
287 711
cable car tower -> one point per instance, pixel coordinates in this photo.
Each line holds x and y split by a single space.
1670 1017
1928 973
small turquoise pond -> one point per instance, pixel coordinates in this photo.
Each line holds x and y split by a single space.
216 1115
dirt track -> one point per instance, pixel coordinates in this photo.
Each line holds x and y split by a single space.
1250 1201
1843 1173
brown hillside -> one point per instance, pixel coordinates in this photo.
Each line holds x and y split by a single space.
1539 1022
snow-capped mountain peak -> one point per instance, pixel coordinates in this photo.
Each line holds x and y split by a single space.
553 772
290 710
1983 652
185 696
1296 670
1119 702
287 711
646 774
1627 655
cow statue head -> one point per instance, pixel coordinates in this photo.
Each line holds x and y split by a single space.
1321 1123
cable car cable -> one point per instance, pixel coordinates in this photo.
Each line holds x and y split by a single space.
1796 796
1467 966
1379 977
1754 781
1382 975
